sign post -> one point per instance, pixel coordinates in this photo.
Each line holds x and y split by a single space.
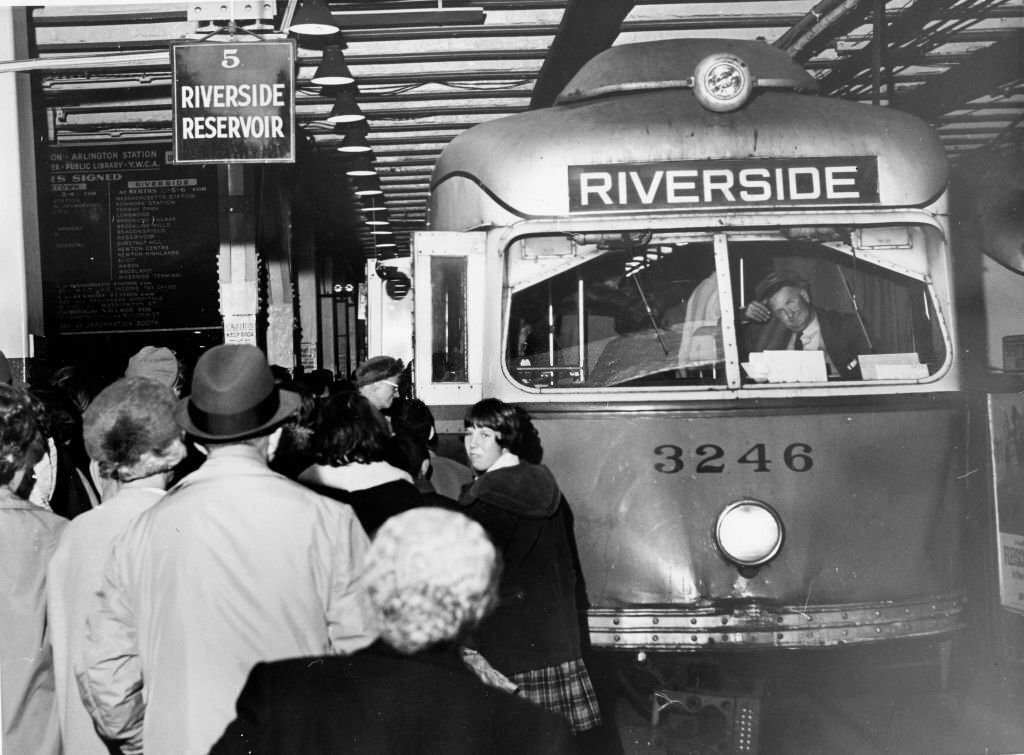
234 102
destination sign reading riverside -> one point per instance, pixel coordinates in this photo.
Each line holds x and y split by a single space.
234 102
723 183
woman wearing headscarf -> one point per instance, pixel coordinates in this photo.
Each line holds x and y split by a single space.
430 576
533 637
131 435
28 537
351 448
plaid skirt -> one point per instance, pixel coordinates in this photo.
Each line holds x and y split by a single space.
564 689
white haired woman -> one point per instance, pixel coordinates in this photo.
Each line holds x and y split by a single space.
431 576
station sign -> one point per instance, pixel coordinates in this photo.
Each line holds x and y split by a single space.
234 102
696 184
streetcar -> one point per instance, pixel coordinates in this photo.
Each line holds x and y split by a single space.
596 261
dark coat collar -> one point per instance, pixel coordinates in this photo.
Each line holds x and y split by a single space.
527 490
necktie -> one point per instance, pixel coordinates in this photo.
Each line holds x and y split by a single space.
798 344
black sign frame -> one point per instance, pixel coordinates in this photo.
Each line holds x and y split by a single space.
233 102
694 185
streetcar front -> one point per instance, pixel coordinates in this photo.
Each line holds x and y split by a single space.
611 263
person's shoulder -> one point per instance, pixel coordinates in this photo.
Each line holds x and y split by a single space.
449 464
526 490
322 672
25 522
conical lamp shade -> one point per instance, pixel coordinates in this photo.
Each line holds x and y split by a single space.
346 109
360 168
313 17
366 187
354 143
333 71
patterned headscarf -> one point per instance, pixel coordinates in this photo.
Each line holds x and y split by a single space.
431 574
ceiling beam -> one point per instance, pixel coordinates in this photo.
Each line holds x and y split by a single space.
987 70
905 27
587 28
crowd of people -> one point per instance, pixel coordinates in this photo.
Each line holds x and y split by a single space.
273 565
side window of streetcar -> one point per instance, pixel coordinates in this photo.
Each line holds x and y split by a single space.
449 307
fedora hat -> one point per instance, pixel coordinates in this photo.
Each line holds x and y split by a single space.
777 280
234 396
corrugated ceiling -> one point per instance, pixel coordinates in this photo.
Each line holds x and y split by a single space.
106 75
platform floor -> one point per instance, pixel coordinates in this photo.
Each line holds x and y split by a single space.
846 704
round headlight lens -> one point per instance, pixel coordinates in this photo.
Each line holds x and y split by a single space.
749 532
722 82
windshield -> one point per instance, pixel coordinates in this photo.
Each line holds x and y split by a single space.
627 310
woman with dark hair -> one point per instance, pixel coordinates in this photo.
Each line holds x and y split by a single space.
294 451
28 537
534 635
350 447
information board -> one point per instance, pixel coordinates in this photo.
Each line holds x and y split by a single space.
129 242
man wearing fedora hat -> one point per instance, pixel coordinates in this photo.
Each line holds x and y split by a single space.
781 316
235 565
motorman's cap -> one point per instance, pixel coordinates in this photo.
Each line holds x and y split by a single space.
776 280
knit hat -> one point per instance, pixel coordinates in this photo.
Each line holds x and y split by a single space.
156 363
431 574
129 429
377 368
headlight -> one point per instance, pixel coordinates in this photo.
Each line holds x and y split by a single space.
749 532
722 82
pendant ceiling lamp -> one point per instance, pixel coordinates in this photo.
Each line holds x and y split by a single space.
355 142
346 109
333 70
367 187
312 17
361 167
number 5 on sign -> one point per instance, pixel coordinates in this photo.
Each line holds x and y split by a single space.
230 58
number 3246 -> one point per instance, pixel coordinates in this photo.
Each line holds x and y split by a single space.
710 458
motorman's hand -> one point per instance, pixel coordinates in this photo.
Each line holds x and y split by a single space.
756 311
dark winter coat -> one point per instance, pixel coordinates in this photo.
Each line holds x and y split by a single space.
537 621
378 701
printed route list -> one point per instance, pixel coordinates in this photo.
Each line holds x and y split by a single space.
131 242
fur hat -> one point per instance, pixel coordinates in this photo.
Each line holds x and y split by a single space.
129 429
431 574
774 281
377 368
156 363
234 396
